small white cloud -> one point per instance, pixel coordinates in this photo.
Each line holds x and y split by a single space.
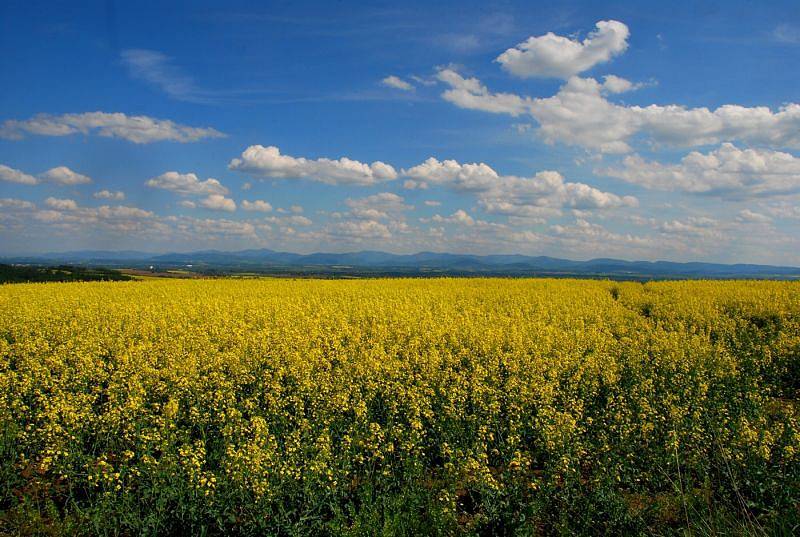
395 82
61 204
16 176
432 203
256 205
293 209
186 184
787 33
383 201
784 209
751 217
116 195
64 176
211 228
359 230
187 204
617 84
692 226
218 202
16 204
460 217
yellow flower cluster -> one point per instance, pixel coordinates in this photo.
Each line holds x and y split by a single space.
397 406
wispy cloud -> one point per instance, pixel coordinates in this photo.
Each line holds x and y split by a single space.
158 70
136 129
474 36
787 33
161 72
396 82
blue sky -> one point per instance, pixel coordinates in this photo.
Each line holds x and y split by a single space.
582 129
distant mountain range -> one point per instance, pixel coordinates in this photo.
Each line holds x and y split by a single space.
423 263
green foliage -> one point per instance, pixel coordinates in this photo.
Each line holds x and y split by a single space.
61 273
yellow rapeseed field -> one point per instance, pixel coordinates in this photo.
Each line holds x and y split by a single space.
399 407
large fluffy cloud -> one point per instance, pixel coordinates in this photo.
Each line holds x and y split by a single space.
464 177
541 195
268 162
136 129
556 56
727 171
580 114
186 184
544 194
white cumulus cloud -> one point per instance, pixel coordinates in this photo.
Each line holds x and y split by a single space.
16 204
726 171
256 205
268 162
459 217
13 175
62 175
541 195
469 93
218 202
556 56
359 230
116 195
580 114
61 204
462 177
186 184
381 206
